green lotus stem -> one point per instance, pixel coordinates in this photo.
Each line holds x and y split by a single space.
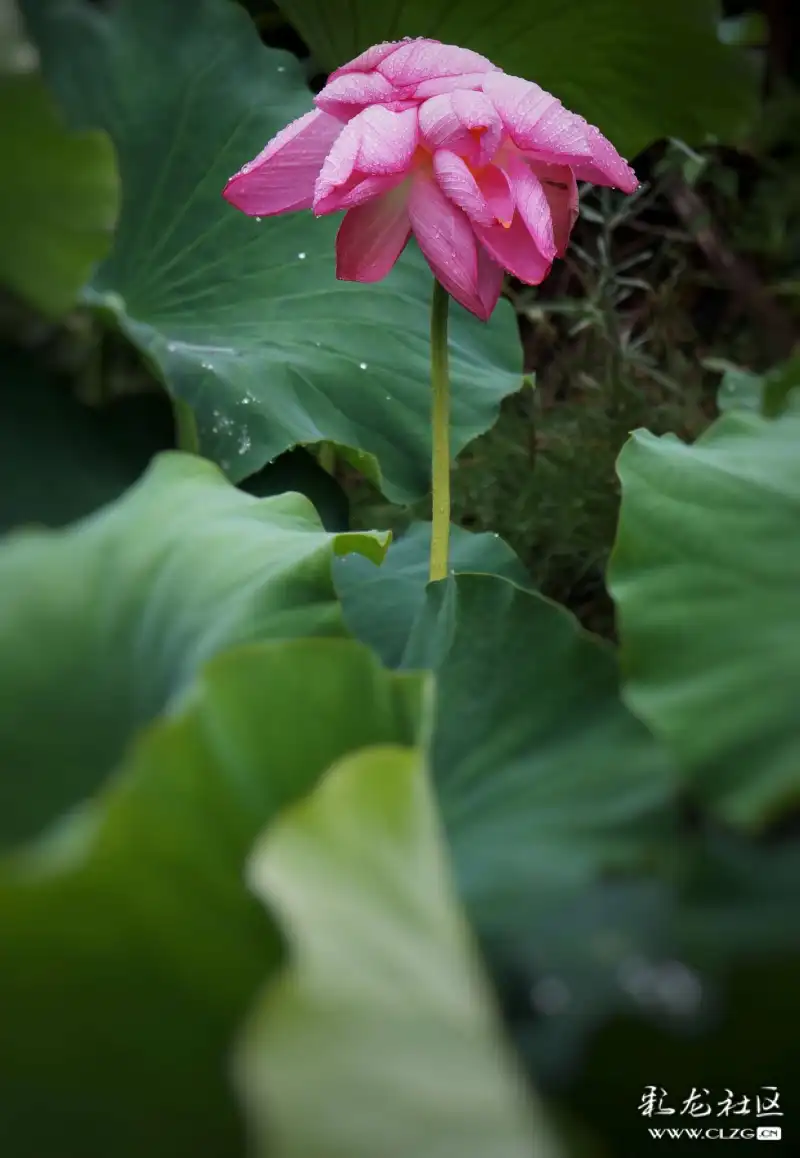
185 427
440 422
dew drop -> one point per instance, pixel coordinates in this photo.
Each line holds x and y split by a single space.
302 256
362 365
258 219
244 442
281 68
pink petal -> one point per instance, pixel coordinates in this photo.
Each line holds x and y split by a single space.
463 122
561 191
372 237
458 183
478 115
281 178
532 204
540 125
368 60
375 143
606 167
490 282
496 192
388 140
348 94
535 119
339 165
442 84
446 238
357 191
419 60
515 250
439 125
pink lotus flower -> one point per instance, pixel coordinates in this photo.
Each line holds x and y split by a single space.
420 137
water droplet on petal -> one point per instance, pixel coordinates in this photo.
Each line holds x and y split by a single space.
302 256
258 219
362 365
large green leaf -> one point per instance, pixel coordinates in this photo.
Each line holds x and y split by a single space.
380 1038
129 945
545 781
546 786
58 198
245 320
706 575
614 61
544 777
105 625
60 460
381 603
542 772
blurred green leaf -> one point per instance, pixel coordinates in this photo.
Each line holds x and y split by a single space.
770 394
613 61
127 605
740 388
129 946
244 320
60 460
17 54
749 30
58 197
710 993
380 1038
781 389
706 574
